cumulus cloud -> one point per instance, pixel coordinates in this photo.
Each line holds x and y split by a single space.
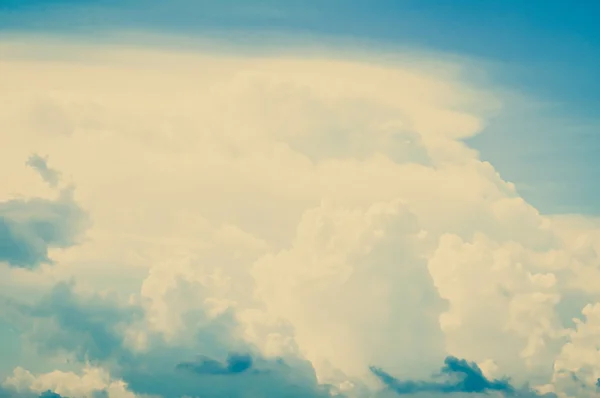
30 227
318 215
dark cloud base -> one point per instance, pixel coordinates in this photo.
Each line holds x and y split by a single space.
461 377
9 393
88 328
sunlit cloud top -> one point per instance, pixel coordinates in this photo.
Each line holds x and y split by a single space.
550 52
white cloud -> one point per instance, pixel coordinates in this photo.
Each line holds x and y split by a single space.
330 204
355 286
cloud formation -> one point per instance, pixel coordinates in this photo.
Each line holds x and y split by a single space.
235 364
40 164
30 227
464 377
317 216
8 393
91 330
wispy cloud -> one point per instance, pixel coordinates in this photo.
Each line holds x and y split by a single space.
40 164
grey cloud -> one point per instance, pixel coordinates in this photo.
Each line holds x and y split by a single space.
84 327
235 364
30 227
90 329
50 394
40 164
461 377
10 393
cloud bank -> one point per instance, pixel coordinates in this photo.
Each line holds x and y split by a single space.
246 226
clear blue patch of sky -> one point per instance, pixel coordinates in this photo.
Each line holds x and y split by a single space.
548 49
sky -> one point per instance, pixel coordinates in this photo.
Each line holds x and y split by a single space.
300 199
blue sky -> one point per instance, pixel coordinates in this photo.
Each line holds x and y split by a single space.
547 49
